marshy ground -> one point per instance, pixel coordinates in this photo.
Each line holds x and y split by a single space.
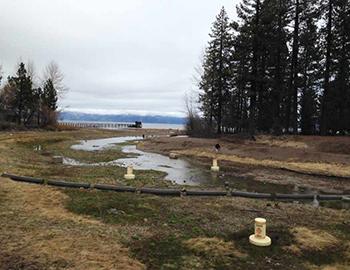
49 228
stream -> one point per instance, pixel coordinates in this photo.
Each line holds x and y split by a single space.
181 171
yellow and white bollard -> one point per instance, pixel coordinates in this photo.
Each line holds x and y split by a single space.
129 173
215 167
259 238
173 155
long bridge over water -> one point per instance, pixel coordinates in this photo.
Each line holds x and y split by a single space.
101 125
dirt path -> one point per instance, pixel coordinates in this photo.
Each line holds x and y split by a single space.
37 232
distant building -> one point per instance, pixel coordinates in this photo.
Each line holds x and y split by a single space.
138 124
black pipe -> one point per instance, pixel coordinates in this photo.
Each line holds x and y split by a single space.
251 195
295 196
205 193
330 197
57 183
23 178
114 188
161 192
174 192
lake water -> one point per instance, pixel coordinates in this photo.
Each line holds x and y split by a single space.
163 126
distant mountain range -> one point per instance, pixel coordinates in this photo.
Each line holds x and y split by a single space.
130 118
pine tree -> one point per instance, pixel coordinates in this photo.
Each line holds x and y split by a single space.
290 61
338 109
215 81
328 29
240 66
309 66
292 95
277 12
335 104
263 24
0 74
49 96
249 13
24 101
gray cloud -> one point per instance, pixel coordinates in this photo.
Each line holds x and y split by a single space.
117 56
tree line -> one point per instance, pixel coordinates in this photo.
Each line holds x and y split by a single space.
27 101
282 67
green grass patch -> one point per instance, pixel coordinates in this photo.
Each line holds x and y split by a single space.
125 208
326 256
117 208
160 252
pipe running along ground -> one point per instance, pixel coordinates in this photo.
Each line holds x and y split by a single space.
176 192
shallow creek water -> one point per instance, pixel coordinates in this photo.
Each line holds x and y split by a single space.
180 171
101 144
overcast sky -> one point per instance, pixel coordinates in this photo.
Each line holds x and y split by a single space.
129 56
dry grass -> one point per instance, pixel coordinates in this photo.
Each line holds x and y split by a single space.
326 169
311 240
66 127
53 199
329 267
280 142
213 247
35 226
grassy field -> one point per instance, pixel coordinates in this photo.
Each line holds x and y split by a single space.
47 228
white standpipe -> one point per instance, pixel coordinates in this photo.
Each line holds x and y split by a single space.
129 173
215 167
259 238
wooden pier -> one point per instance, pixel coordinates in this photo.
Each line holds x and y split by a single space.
101 125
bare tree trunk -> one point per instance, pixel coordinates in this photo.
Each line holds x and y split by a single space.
255 74
278 80
324 106
293 87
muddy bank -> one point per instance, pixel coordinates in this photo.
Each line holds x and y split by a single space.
299 162
335 150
